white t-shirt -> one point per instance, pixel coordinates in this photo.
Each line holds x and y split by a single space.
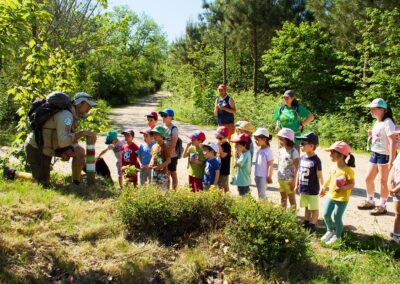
262 158
396 166
286 165
380 133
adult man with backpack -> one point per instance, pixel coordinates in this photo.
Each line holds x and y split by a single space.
54 121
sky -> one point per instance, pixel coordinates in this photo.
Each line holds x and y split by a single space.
170 15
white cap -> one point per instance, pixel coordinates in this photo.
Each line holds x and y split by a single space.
213 146
261 131
83 97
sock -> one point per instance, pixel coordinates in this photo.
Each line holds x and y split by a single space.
22 175
311 227
370 198
306 223
383 202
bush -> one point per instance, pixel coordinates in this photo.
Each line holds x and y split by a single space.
266 234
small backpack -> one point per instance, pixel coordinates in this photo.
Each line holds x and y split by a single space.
296 109
179 145
43 109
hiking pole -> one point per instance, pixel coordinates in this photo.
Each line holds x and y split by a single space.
90 161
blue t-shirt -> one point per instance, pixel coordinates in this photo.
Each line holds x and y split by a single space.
210 170
308 178
144 153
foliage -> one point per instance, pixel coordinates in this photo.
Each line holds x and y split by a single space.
97 119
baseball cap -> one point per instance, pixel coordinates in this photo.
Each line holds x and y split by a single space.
83 97
378 103
129 131
246 126
311 138
212 146
198 135
152 114
238 123
286 133
241 138
222 131
160 130
288 93
111 136
146 131
341 147
167 111
222 87
262 132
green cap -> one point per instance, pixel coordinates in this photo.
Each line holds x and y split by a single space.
111 136
160 130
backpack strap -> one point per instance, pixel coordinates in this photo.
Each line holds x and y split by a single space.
296 109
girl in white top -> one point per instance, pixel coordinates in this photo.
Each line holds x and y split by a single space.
264 162
382 156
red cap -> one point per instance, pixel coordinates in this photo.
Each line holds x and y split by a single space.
153 114
341 147
241 138
222 131
198 135
222 87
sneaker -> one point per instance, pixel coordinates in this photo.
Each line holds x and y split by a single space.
9 173
366 205
328 235
332 240
379 210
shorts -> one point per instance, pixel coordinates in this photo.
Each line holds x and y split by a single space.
196 184
379 159
243 190
223 181
173 164
145 175
309 201
39 163
396 198
285 186
161 179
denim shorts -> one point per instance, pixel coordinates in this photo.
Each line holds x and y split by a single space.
379 159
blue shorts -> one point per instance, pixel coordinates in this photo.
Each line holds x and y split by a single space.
379 159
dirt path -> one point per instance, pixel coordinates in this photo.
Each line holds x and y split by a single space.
133 117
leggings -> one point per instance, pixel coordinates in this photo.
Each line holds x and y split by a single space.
338 208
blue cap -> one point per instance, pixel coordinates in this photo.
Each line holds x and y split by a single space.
167 111
111 136
378 103
311 138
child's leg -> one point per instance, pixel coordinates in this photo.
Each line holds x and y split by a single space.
314 216
261 184
121 181
192 183
372 172
396 228
340 207
292 200
307 215
328 210
284 197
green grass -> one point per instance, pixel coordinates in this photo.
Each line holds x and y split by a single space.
74 234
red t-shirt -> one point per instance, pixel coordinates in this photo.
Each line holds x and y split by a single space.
129 156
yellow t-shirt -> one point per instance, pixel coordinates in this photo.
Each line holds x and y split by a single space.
339 173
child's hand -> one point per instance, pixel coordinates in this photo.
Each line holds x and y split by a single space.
369 133
394 192
157 168
323 192
269 180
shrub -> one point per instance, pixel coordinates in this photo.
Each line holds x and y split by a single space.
266 234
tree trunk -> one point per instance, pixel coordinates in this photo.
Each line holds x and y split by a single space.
255 61
224 60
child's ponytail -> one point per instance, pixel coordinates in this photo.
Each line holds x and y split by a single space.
351 162
388 114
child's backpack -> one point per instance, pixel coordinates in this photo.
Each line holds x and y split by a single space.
43 109
179 145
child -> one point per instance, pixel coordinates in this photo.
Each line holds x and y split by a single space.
144 154
212 167
394 189
340 183
247 128
309 179
116 146
383 154
152 119
288 164
224 153
196 163
242 163
129 156
264 162
160 157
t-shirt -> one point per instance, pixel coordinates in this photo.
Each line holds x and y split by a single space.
117 149
308 181
290 119
380 132
285 163
172 130
129 156
396 166
336 173
196 170
160 155
211 167
262 158
226 162
243 170
144 152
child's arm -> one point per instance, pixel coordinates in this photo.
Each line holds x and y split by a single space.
325 186
216 178
221 151
270 171
296 169
320 178
392 190
186 152
102 152
163 165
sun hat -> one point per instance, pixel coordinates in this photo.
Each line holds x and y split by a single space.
378 103
261 132
198 135
128 131
241 138
212 146
160 130
288 93
222 131
152 114
146 131
222 87
311 138
286 133
341 147
167 111
111 136
83 97
246 126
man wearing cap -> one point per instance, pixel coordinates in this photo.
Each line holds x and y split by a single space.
224 110
60 132
292 115
152 119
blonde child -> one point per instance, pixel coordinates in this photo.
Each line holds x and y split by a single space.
242 166
160 157
340 183
247 128
288 164
264 162
196 165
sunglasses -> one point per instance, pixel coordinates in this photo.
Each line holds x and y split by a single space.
303 143
164 115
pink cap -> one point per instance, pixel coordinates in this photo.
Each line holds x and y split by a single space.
241 138
222 87
341 147
198 135
222 131
286 133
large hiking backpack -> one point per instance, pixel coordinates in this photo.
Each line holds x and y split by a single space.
43 109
